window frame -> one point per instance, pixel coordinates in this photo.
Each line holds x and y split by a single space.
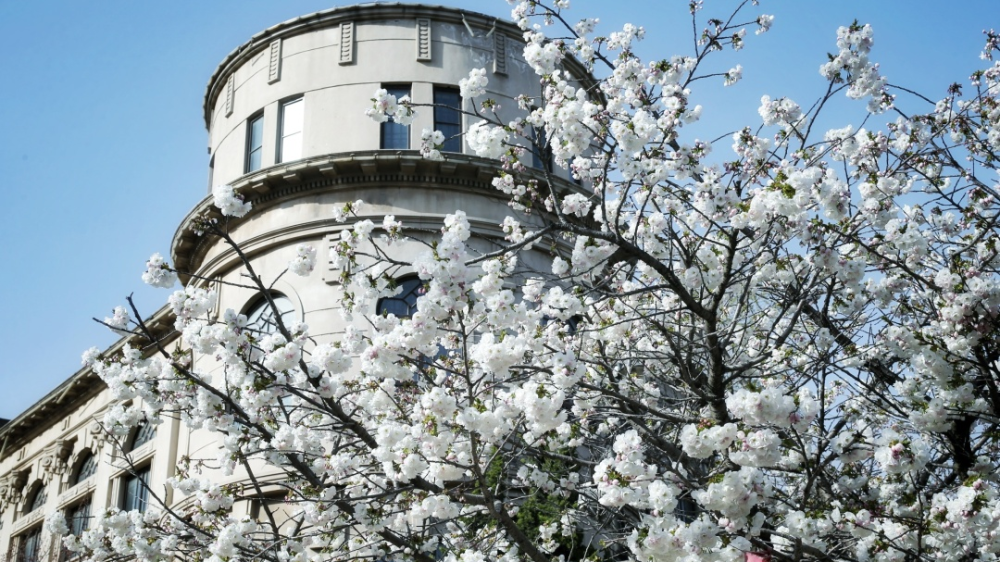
442 109
417 290
38 492
72 511
541 152
250 150
33 534
280 155
260 303
143 434
136 480
390 124
78 474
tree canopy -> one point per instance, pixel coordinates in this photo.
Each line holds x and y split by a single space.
782 342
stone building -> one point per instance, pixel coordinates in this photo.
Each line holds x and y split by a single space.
286 127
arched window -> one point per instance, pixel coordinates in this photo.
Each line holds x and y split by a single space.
404 304
261 318
86 468
144 434
38 498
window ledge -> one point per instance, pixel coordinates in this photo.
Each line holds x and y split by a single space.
76 492
137 457
28 520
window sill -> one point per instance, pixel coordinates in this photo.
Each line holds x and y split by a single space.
28 520
76 492
134 458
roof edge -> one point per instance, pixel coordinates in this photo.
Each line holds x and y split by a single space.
332 17
35 416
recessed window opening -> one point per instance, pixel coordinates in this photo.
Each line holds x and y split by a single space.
78 517
395 135
448 117
404 304
290 130
261 318
541 153
38 499
255 142
29 546
135 491
87 468
144 434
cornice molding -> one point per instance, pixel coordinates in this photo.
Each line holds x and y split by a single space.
77 389
374 168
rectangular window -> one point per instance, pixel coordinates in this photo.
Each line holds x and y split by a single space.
290 131
541 154
395 135
255 142
29 545
78 517
448 117
135 494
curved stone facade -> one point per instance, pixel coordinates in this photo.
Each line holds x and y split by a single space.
335 60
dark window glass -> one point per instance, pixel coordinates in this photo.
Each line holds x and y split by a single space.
255 142
261 317
135 494
404 304
144 434
448 117
570 324
29 545
87 469
541 154
38 499
395 135
686 510
78 517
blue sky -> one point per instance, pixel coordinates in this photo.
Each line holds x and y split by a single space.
102 145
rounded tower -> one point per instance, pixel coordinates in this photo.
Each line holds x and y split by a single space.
287 129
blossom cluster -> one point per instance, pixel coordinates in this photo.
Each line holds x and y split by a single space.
779 345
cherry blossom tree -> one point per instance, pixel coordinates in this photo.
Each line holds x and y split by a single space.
780 345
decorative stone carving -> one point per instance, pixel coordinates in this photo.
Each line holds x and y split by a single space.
230 91
423 39
499 54
347 42
54 459
12 487
274 62
97 437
